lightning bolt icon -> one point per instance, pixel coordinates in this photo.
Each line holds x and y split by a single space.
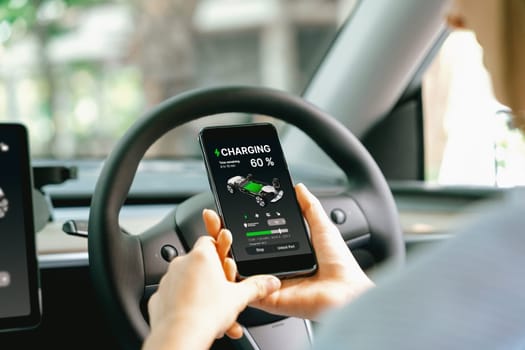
217 153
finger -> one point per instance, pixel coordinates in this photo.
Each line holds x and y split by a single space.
224 242
235 331
312 210
205 244
230 269
204 256
212 222
325 235
255 288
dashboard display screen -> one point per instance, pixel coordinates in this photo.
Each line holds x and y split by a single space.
19 294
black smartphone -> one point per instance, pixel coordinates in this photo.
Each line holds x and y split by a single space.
19 277
256 200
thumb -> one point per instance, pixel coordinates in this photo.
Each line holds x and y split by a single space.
258 287
313 210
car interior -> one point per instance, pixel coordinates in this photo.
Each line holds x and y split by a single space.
364 95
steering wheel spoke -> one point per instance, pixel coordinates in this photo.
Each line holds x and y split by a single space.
160 244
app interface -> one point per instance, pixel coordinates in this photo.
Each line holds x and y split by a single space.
256 196
14 281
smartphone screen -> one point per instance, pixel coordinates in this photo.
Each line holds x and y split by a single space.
256 200
19 293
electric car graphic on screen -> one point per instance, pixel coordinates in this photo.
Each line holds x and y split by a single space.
263 193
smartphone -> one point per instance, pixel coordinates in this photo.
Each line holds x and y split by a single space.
255 198
19 277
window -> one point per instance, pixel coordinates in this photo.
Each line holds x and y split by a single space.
467 133
79 72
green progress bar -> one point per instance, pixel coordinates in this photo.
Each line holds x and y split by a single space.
258 233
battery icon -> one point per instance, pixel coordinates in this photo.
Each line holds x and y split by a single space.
266 232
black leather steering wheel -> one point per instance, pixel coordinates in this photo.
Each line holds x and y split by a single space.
124 267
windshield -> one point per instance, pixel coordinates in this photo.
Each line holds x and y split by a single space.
78 73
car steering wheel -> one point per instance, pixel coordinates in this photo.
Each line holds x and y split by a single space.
125 268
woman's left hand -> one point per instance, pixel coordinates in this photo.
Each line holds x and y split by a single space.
197 301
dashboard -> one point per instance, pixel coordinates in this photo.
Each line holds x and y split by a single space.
70 306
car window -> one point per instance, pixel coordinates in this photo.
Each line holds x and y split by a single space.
469 140
79 72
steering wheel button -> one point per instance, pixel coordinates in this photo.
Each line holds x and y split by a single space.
169 252
338 216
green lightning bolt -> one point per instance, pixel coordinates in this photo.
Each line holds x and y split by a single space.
217 153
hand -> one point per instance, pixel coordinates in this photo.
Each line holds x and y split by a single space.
339 278
195 301
223 239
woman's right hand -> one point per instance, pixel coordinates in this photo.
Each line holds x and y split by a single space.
339 278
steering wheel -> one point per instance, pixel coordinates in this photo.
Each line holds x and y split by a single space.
124 268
